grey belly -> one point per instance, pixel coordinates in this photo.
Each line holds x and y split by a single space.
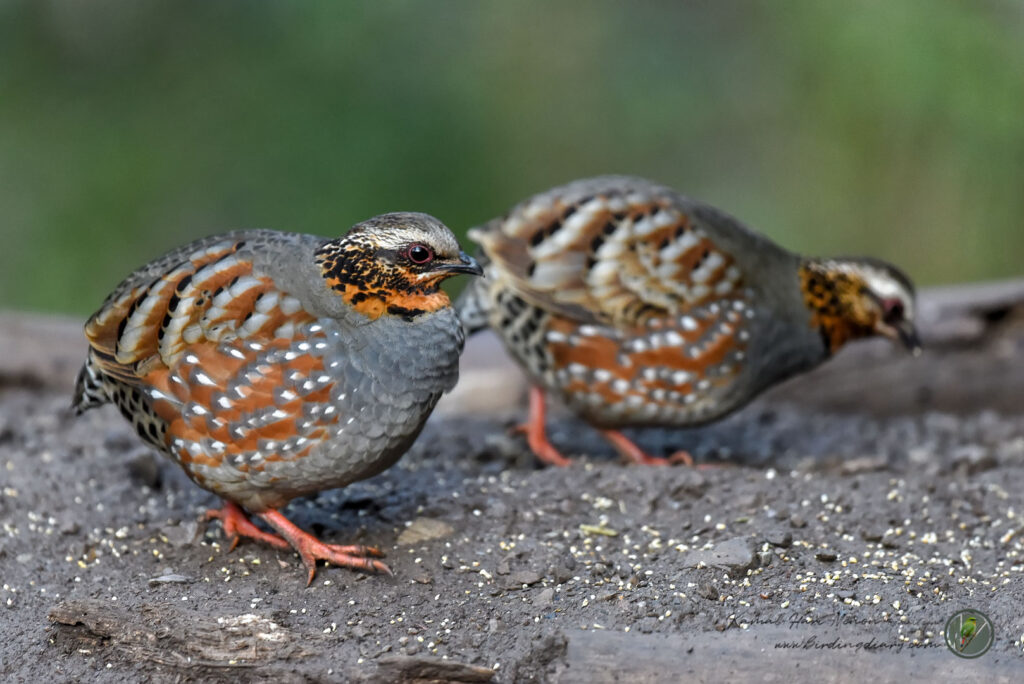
387 379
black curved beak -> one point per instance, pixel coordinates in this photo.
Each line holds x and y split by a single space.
907 334
465 264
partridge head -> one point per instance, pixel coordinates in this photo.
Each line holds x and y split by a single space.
853 298
272 365
637 306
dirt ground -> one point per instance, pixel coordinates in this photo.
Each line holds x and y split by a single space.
848 515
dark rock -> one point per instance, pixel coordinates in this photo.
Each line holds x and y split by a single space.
561 573
692 484
796 520
521 577
781 538
684 609
826 556
67 524
734 555
749 502
182 534
708 591
544 598
974 458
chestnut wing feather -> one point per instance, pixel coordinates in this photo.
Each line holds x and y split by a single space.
610 250
204 292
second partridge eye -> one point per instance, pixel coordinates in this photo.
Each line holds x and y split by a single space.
420 254
893 311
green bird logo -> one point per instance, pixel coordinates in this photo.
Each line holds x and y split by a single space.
967 631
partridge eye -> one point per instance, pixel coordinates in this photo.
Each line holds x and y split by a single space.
893 311
420 254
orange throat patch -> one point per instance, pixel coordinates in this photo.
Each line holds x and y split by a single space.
375 303
831 297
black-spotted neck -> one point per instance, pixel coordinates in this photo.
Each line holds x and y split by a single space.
374 286
836 298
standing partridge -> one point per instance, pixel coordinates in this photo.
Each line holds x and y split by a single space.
637 306
273 365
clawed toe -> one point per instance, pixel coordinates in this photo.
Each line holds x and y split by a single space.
681 457
236 524
354 557
311 549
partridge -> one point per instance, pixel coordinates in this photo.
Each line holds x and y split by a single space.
272 365
637 306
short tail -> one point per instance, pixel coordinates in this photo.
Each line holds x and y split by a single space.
89 390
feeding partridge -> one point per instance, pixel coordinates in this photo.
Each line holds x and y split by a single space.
272 365
637 306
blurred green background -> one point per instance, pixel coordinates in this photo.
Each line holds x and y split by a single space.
893 128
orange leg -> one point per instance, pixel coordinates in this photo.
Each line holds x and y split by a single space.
536 434
311 549
237 525
627 448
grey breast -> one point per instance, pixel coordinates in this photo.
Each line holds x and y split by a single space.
387 376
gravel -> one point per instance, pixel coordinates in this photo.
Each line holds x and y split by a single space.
815 522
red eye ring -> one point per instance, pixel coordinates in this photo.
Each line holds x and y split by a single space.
419 253
892 310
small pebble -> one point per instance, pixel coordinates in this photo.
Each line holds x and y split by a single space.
544 598
708 591
521 577
170 578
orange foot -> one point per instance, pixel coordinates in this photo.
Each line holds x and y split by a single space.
310 549
536 435
237 525
630 450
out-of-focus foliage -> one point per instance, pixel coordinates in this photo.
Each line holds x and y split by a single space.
893 128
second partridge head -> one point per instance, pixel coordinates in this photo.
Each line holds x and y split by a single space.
852 298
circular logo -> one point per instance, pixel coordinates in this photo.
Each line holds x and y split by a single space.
969 634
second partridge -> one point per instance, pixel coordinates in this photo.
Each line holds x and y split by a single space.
637 306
